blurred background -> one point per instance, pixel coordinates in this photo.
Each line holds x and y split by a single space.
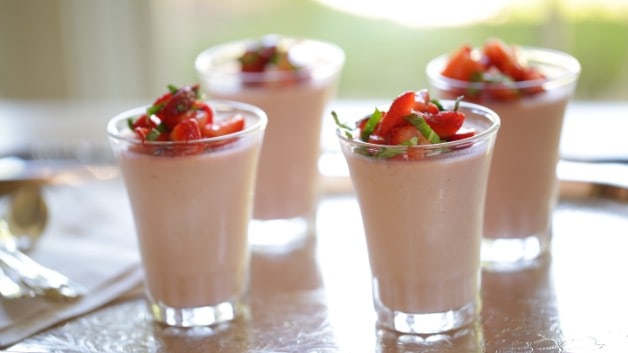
131 49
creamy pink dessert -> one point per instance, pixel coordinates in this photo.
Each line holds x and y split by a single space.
294 88
529 89
422 207
522 183
423 224
191 203
287 178
195 252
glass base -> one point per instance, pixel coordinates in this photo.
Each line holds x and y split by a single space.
426 323
196 316
279 234
512 254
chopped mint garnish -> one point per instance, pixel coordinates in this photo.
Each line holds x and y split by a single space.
424 128
457 104
342 126
156 131
129 123
477 76
154 109
411 142
370 125
436 102
386 153
338 123
172 88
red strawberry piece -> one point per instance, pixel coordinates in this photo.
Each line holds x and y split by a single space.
186 130
445 123
402 106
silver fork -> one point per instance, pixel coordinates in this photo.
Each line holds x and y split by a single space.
41 280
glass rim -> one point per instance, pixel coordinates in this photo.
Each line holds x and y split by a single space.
113 130
538 56
477 109
204 61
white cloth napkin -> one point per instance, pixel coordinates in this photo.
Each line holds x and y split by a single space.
89 238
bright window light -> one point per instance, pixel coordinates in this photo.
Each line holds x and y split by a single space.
416 13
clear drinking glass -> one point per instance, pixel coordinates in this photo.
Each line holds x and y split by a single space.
423 224
191 204
522 189
287 179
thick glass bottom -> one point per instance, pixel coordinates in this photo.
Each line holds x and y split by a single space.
196 316
512 254
279 234
426 323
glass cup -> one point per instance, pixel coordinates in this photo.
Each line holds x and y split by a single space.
423 224
522 189
287 179
191 203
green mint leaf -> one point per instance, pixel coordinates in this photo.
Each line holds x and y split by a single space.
414 141
162 127
338 123
436 102
152 135
477 76
386 153
419 122
154 109
129 123
370 125
172 88
342 126
156 131
457 104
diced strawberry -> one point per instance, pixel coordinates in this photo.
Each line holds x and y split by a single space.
445 123
252 61
462 66
503 58
462 133
180 102
229 125
532 74
163 98
150 134
423 103
402 106
268 51
181 115
143 121
186 130
403 133
142 132
207 114
497 66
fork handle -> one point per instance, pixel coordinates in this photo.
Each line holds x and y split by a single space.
34 275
